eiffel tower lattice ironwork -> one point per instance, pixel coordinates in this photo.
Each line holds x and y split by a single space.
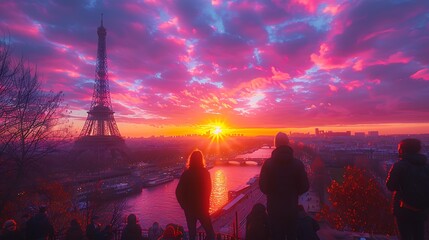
100 129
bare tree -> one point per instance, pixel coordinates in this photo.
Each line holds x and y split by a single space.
9 69
111 211
29 123
117 212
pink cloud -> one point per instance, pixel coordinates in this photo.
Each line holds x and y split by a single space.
310 5
333 88
172 23
376 34
278 75
368 59
189 61
421 74
398 57
358 66
325 61
216 2
332 9
353 84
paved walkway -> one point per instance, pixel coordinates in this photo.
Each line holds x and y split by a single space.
237 209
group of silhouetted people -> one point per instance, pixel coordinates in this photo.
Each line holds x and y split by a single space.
94 231
133 231
282 179
258 227
37 227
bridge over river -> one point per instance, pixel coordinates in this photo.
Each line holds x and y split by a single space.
251 158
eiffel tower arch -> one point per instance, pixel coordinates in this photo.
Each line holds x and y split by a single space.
100 142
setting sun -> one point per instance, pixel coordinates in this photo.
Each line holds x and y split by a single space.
214 128
217 130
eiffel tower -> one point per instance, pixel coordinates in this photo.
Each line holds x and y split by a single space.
100 140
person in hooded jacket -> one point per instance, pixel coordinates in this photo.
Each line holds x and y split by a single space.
39 226
307 226
283 179
10 232
107 233
409 218
155 231
74 232
257 223
193 194
93 229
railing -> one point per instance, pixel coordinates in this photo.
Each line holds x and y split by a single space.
219 236
200 236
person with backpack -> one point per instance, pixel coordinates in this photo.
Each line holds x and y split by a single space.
408 179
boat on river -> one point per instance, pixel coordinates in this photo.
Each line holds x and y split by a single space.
106 191
158 180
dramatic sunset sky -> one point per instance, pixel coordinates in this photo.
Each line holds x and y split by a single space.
181 66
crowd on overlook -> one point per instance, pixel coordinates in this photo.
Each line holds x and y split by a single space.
283 179
40 227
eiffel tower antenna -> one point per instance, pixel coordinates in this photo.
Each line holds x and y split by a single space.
100 130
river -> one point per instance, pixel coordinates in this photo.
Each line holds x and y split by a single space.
160 204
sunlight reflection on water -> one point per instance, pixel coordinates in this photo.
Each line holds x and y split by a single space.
160 204
219 196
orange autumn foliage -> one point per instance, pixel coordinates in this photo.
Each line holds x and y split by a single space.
359 204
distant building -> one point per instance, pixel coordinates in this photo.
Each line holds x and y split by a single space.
338 134
332 134
360 134
373 134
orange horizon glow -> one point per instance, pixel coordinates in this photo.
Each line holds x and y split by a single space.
218 130
279 73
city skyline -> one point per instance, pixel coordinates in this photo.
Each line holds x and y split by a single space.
251 67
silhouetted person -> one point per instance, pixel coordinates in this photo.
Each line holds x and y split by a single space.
408 178
179 231
39 226
307 226
155 231
193 195
283 179
257 227
93 229
74 232
107 233
169 234
10 231
132 230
